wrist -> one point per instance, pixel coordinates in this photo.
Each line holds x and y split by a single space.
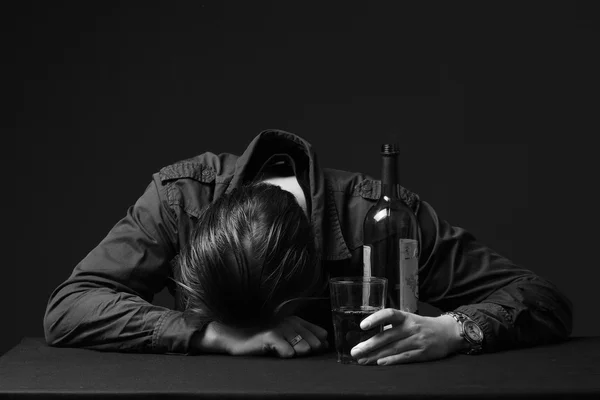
207 339
456 343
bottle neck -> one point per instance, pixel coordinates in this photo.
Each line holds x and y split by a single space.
389 176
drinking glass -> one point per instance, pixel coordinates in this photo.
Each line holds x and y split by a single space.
352 300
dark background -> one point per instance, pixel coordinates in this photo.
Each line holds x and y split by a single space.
495 106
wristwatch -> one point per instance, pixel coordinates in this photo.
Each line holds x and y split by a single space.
469 331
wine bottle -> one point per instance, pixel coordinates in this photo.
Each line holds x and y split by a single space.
390 232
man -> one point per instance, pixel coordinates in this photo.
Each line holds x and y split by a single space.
238 240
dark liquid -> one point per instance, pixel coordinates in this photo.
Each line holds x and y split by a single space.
346 325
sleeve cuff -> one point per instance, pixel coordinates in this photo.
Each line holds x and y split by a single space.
172 335
493 320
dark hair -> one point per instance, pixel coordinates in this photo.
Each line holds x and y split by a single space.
251 250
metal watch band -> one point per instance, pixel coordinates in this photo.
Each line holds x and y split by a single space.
474 347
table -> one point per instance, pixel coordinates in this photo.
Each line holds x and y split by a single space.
33 369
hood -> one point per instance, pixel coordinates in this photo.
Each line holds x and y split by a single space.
277 143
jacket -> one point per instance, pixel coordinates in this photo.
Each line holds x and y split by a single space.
105 304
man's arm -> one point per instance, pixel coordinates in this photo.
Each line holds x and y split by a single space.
105 303
514 306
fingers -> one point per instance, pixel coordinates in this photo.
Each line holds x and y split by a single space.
289 332
275 341
405 357
398 331
369 348
384 317
395 348
278 340
314 342
315 329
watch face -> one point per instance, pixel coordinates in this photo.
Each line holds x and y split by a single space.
473 331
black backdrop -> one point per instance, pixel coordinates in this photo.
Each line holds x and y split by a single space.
495 107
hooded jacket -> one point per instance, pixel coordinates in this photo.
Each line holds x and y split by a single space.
105 304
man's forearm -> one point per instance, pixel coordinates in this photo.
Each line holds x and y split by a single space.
92 318
528 312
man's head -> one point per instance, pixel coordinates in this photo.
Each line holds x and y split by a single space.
251 250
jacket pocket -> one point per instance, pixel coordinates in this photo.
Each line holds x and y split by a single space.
188 185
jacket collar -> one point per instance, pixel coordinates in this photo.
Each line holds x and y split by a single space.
324 217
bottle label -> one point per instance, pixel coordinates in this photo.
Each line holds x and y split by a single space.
408 285
367 261
367 274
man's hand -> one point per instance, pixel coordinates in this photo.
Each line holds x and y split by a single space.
412 338
272 341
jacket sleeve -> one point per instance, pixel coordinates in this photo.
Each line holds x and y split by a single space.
513 306
105 303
